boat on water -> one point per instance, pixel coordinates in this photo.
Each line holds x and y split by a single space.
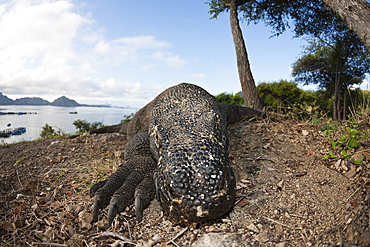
72 112
6 133
19 131
9 132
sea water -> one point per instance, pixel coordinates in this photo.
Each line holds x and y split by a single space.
57 117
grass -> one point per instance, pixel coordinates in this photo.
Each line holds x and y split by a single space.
84 176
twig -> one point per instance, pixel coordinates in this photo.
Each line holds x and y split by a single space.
111 234
40 221
128 228
302 217
49 244
178 235
154 240
303 237
232 223
352 222
298 228
290 239
356 190
361 230
19 179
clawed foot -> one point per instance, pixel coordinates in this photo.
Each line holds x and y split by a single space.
132 182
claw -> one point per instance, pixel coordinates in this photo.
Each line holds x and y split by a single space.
96 186
95 209
139 205
156 188
112 210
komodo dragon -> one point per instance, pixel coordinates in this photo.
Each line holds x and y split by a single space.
178 150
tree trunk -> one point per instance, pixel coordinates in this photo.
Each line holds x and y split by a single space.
249 90
336 92
345 104
356 13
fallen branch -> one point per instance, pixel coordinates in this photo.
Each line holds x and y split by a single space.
178 235
356 190
49 244
111 234
298 228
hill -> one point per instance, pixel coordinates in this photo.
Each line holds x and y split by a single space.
4 100
31 101
64 101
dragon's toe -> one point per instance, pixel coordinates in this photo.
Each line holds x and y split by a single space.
113 210
96 187
95 209
139 205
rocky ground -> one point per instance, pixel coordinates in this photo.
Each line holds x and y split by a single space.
287 195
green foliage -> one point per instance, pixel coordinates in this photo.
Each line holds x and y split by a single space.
280 93
321 64
48 132
288 98
230 98
347 142
127 118
84 126
341 54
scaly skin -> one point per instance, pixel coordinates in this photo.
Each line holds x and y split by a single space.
178 148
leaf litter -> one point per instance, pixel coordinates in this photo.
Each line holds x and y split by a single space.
286 194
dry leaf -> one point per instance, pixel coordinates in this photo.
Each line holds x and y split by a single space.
8 226
243 202
310 153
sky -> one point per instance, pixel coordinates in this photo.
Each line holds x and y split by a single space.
125 52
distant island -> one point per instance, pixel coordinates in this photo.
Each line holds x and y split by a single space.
62 101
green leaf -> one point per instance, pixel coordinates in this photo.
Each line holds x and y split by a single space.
356 162
342 139
16 163
332 155
333 143
344 153
325 132
353 143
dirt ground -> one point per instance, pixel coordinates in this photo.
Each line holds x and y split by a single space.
287 195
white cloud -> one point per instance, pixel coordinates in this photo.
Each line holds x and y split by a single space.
48 47
365 85
199 75
169 59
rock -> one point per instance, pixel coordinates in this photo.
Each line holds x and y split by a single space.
262 237
282 244
344 165
218 240
253 228
351 172
305 132
337 164
280 184
357 156
55 143
266 146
